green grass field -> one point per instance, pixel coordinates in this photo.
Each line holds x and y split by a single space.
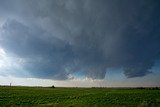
78 97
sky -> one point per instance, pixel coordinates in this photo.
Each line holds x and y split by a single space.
80 43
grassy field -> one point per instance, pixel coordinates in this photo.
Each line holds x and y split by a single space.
78 97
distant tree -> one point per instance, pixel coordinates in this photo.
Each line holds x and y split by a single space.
52 86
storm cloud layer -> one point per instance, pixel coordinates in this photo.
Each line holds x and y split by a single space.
57 38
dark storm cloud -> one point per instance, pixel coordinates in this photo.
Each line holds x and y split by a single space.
44 56
60 37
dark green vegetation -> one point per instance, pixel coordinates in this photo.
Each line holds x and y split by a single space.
78 97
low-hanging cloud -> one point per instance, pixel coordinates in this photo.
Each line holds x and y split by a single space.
61 37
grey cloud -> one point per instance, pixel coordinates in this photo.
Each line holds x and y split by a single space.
53 36
44 55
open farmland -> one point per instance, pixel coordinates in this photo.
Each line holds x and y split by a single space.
78 97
